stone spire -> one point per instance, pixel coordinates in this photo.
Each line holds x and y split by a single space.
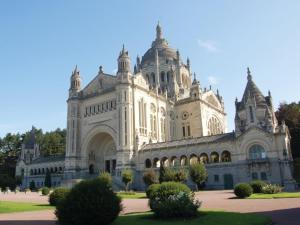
158 32
249 76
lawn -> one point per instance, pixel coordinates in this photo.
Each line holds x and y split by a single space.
9 207
278 195
132 195
205 218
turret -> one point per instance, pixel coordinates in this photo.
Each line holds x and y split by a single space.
75 81
124 61
254 110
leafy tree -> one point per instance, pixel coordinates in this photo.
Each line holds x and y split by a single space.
198 174
149 177
290 113
127 178
48 179
161 174
173 174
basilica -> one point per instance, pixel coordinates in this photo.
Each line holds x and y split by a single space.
157 114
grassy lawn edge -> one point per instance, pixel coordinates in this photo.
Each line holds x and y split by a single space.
274 196
11 207
204 218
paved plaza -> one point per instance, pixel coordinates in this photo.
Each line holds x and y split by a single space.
282 211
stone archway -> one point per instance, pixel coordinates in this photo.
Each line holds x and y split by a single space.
101 153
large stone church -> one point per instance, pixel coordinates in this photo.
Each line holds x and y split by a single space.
157 114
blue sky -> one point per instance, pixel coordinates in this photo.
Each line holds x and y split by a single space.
42 41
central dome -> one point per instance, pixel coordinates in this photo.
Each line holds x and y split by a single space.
162 47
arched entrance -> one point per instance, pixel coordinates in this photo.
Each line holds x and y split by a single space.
102 154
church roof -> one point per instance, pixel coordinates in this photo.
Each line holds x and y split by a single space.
253 92
191 141
163 50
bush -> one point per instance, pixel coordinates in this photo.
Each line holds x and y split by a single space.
90 202
151 189
243 190
172 174
172 199
127 178
105 177
271 189
257 186
58 195
198 174
149 177
45 191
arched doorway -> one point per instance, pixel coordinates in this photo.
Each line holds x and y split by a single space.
102 154
228 181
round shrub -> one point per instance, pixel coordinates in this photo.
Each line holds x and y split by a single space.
90 202
58 195
151 189
171 199
106 177
45 191
243 190
257 186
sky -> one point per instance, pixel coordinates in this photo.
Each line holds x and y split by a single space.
42 41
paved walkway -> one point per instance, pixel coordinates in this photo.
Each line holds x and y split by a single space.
282 211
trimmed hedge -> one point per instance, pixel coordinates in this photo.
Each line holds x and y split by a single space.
257 186
173 199
243 190
151 189
45 191
58 195
90 202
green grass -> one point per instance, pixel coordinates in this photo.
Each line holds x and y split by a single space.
9 207
205 218
132 195
278 195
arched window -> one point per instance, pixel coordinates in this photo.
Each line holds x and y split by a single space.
226 156
204 158
162 76
31 172
43 170
165 162
183 160
156 163
153 78
257 152
193 159
148 78
148 163
168 76
142 117
174 161
214 157
163 124
214 126
153 121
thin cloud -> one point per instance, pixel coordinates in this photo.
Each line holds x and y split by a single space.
115 71
212 80
209 45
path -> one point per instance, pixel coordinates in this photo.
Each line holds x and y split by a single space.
282 211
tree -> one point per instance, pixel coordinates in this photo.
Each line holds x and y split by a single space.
149 177
198 174
290 113
173 174
127 178
48 179
161 174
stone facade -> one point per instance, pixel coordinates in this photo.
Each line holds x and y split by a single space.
158 114
33 167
